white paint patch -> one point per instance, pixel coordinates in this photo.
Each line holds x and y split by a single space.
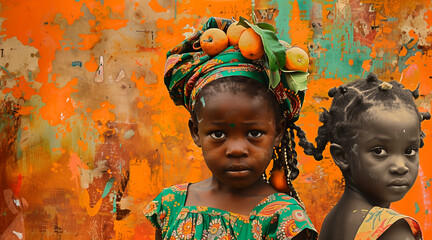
100 72
121 75
189 33
18 234
17 202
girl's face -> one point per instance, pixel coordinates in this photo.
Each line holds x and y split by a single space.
237 133
385 158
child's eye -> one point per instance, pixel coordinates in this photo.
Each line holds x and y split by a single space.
255 134
379 152
411 152
217 135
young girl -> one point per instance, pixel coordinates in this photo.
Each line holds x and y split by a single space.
374 131
240 122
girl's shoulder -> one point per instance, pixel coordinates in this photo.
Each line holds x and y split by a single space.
378 220
277 203
169 200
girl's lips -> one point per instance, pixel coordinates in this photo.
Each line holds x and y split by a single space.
398 185
237 170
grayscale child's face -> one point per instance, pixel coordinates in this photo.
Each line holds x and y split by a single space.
385 159
237 133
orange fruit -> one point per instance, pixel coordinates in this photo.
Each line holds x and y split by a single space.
213 41
278 180
250 44
234 31
297 59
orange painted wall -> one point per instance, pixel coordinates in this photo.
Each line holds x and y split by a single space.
88 133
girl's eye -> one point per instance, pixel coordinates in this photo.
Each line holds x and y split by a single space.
411 152
217 135
379 152
255 134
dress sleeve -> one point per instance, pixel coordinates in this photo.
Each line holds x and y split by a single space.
294 223
154 211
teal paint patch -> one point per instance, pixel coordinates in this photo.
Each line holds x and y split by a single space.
417 208
410 52
30 76
76 64
428 183
115 203
232 125
426 211
337 48
108 186
202 101
282 19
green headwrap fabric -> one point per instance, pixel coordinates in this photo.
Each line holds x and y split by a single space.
188 69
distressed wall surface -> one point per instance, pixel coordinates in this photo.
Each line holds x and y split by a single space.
88 133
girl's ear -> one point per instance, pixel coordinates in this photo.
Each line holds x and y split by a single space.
280 130
339 156
193 128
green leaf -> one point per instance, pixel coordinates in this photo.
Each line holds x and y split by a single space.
297 81
274 78
243 22
267 26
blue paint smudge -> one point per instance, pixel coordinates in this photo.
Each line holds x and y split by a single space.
76 64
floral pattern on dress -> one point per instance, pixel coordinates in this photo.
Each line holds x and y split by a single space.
378 220
277 216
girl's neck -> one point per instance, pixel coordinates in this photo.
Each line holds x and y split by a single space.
356 197
259 188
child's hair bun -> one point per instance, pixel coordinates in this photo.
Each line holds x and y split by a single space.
332 92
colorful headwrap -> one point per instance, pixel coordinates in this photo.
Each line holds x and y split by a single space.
188 69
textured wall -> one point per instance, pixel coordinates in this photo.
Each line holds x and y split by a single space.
88 133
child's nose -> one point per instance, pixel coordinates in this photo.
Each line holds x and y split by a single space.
237 148
399 165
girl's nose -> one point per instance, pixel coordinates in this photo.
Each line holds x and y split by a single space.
237 148
399 166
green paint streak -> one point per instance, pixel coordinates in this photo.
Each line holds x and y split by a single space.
417 208
108 186
427 182
426 211
232 125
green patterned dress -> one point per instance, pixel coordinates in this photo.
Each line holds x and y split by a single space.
278 216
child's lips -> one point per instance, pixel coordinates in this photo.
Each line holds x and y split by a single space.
398 185
237 170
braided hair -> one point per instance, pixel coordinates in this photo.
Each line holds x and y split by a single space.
284 156
353 99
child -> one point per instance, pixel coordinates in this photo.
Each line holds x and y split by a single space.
239 121
374 131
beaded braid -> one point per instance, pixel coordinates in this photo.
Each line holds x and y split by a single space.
285 158
350 101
